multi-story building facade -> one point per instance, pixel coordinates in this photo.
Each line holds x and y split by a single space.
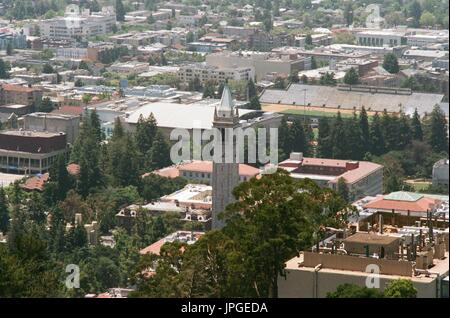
381 38
79 25
362 178
29 152
54 123
18 94
207 73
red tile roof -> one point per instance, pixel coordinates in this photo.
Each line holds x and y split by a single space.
18 88
201 166
421 205
35 182
69 110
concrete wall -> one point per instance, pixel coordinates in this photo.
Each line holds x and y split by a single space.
304 283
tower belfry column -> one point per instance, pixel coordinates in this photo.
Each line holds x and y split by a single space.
225 173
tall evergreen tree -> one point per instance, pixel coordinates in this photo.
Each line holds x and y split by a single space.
159 155
4 70
416 126
404 132
251 89
4 214
284 141
325 146
377 145
298 138
437 127
338 138
94 124
355 145
365 129
342 189
390 63
120 11
351 77
145 133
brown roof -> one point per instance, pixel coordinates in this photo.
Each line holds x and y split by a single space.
35 182
69 110
18 88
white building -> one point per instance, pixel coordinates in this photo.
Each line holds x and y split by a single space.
440 173
79 24
381 38
207 73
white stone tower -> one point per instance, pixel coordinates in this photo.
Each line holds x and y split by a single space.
225 173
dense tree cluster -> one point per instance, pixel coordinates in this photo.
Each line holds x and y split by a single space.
405 145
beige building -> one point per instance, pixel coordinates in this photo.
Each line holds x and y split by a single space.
362 177
351 260
55 123
206 73
263 63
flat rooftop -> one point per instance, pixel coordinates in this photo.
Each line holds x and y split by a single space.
29 133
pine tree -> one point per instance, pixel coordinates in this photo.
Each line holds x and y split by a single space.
342 189
437 127
254 103
160 153
377 146
365 129
4 214
4 70
9 49
209 90
390 130
95 125
123 161
338 139
354 139
416 126
120 11
251 89
404 132
285 145
118 131
351 77
60 176
145 133
297 137
325 147
390 63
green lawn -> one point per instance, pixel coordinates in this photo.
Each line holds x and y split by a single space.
315 113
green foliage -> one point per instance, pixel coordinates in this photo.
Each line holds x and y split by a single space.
120 11
351 77
4 69
390 63
354 291
400 288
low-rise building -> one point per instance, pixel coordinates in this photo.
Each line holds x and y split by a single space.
188 237
361 177
201 171
382 38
